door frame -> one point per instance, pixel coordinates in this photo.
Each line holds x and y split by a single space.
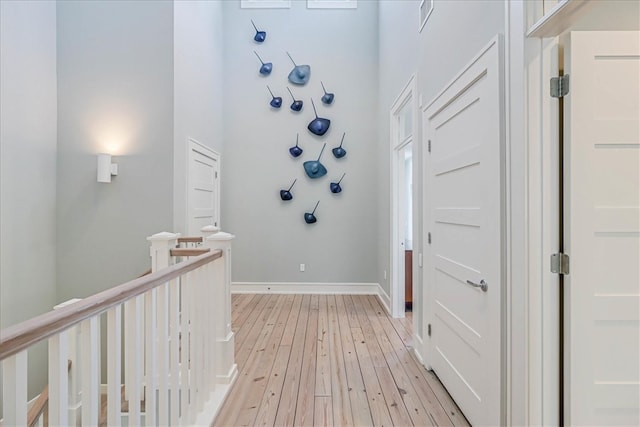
515 349
541 127
397 265
193 145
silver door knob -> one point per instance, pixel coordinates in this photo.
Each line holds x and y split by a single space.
483 285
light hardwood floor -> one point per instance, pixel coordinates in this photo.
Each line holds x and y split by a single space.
323 360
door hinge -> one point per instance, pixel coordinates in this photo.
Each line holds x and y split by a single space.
429 329
559 86
560 263
216 174
429 145
429 237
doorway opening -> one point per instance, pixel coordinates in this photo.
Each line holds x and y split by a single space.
402 128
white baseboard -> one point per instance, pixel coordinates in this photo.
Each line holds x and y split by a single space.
384 299
417 348
229 377
313 288
304 288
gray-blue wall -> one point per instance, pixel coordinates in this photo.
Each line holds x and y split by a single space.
198 89
272 238
27 169
115 94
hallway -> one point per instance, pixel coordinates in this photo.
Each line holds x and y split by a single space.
329 360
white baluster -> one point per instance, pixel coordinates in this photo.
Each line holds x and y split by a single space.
205 308
156 345
150 371
58 380
114 368
163 354
90 344
14 389
194 341
198 327
133 360
225 338
185 348
174 327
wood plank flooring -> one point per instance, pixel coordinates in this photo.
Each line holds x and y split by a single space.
325 360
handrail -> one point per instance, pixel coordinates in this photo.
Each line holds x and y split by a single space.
190 239
188 251
22 335
146 273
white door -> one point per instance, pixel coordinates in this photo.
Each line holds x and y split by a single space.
464 125
602 165
203 197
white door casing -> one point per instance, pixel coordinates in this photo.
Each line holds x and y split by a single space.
543 236
602 228
203 188
464 208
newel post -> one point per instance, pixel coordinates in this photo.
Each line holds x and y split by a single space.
161 245
226 368
208 230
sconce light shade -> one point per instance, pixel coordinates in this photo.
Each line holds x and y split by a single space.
105 168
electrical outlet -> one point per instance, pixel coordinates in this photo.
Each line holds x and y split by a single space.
302 267
385 274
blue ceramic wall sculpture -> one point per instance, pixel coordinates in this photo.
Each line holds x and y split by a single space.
340 152
314 168
310 217
318 126
297 103
286 194
260 36
335 186
266 67
276 101
296 150
327 98
300 73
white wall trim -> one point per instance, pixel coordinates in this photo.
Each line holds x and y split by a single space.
312 288
516 331
332 4
265 4
304 288
384 299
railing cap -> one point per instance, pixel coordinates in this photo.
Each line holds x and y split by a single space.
221 235
210 229
162 236
66 303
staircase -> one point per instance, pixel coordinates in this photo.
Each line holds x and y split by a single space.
171 327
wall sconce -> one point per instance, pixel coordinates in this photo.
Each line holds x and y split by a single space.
106 169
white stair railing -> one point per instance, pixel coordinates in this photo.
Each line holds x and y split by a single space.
178 345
